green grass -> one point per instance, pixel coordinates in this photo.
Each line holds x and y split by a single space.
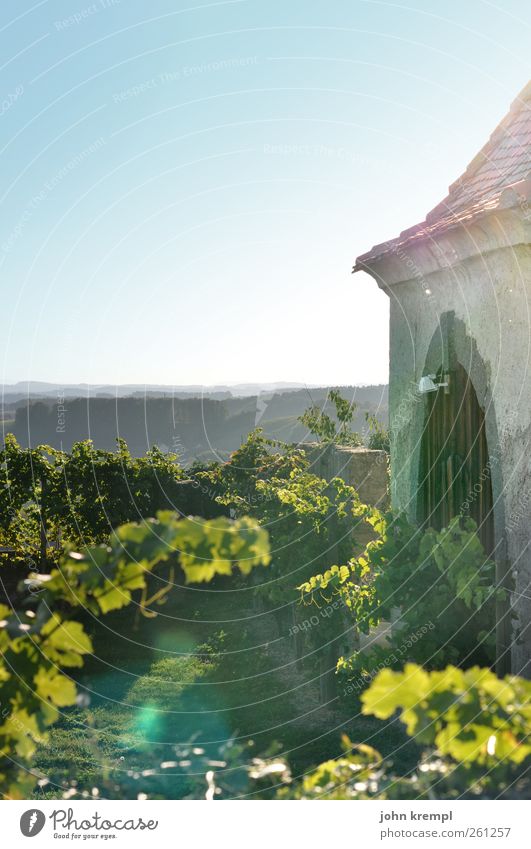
116 745
151 707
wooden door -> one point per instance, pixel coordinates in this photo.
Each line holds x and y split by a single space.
455 470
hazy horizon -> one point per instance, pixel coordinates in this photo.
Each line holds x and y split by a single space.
33 387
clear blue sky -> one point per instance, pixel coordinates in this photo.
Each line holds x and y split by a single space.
185 185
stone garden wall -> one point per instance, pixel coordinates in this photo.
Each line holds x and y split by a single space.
362 468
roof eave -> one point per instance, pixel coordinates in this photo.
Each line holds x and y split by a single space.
506 226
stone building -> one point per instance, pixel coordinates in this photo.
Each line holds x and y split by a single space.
459 285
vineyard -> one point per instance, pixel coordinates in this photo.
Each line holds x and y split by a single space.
245 629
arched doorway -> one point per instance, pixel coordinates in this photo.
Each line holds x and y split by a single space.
455 470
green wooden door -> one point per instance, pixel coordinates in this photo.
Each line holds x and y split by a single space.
455 469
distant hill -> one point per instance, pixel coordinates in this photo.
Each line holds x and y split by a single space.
199 426
41 389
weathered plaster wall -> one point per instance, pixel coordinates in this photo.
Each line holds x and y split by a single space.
490 297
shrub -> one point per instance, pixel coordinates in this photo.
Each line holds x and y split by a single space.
321 425
440 582
43 642
475 728
378 439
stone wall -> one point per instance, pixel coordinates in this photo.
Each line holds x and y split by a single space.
362 468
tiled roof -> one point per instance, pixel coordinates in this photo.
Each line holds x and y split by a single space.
503 162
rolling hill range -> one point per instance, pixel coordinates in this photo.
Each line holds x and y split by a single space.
200 426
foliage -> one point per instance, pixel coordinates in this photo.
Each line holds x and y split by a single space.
471 716
238 482
321 425
309 520
475 727
99 490
378 434
437 579
357 774
438 587
42 642
49 495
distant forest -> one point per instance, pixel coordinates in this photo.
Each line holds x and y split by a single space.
195 428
